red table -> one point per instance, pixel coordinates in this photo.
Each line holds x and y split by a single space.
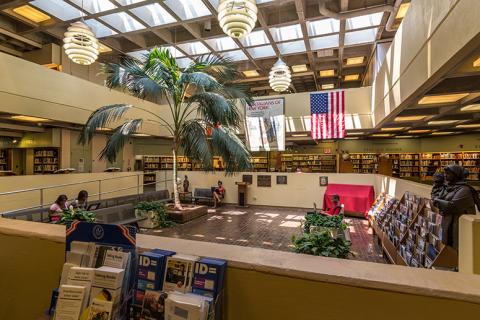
355 198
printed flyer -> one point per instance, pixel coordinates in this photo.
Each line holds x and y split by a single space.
265 125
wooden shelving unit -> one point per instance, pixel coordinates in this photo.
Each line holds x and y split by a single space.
433 161
45 160
260 164
4 164
309 162
364 162
409 165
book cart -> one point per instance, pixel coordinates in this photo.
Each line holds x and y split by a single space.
409 232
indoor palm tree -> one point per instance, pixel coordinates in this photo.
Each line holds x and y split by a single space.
200 98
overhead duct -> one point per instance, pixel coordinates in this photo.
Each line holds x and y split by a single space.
325 11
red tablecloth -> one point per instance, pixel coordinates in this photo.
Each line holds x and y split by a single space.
355 198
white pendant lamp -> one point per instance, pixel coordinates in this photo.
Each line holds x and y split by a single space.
280 76
237 17
80 44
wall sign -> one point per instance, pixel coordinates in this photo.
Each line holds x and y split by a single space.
248 178
323 181
264 181
265 125
282 179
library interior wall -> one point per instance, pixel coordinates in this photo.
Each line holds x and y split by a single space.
260 284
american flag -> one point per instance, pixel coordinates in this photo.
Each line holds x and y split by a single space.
327 115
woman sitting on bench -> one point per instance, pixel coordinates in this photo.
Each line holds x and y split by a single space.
218 193
336 209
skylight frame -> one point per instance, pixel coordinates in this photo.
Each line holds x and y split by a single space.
363 36
261 52
58 8
365 21
194 48
235 55
152 14
292 47
220 44
286 33
331 41
331 25
186 10
112 20
100 29
97 6
255 38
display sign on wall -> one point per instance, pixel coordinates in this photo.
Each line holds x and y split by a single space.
265 125
264 181
281 179
248 178
323 181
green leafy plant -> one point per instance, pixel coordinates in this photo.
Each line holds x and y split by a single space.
76 214
322 244
319 220
160 216
202 96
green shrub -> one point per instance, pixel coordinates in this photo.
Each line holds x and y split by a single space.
319 220
76 214
161 217
322 244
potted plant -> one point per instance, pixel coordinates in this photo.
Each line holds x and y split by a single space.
155 214
71 214
317 222
321 243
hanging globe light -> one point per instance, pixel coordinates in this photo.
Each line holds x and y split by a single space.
80 44
280 77
237 17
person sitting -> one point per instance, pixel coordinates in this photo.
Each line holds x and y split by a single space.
56 209
186 184
336 208
81 201
218 194
438 185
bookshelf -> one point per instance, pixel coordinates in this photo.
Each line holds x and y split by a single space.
4 166
260 164
409 165
433 161
364 162
309 162
45 160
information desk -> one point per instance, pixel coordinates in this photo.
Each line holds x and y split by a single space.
355 198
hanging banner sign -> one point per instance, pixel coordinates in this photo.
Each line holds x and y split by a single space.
265 125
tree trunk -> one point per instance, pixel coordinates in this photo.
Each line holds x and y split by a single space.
176 197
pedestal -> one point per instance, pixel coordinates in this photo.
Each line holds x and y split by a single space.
242 193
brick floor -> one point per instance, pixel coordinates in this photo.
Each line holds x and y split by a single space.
265 227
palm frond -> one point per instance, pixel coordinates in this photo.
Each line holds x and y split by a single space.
235 155
101 118
221 68
199 79
195 144
214 108
118 139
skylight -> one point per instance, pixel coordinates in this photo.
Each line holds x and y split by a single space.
184 62
122 22
95 6
369 20
128 2
287 33
58 8
236 55
174 51
324 42
194 48
325 26
222 44
99 28
140 55
256 38
187 9
154 15
262 52
362 36
291 47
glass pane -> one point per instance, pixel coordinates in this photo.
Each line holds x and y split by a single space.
222 44
122 22
236 55
174 51
369 20
184 62
140 55
127 2
324 42
58 8
287 33
99 28
95 6
153 15
262 52
188 9
255 38
362 36
325 26
194 48
292 47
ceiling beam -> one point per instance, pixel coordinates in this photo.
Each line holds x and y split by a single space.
10 51
19 127
20 38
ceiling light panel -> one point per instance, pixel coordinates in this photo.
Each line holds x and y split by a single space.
419 131
194 48
287 33
28 118
250 73
382 135
299 68
352 77
324 26
99 28
445 98
95 6
255 38
441 122
262 52
222 44
291 47
58 8
122 22
355 61
472 107
476 63
324 42
236 55
31 13
468 126
187 9
361 36
103 48
366 21
442 133
393 129
328 86
153 15
327 73
409 118
402 10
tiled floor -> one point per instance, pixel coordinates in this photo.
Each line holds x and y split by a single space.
265 227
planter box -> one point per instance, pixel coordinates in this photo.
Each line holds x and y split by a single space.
148 223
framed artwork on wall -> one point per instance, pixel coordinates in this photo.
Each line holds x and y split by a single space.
248 178
282 179
264 181
323 181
